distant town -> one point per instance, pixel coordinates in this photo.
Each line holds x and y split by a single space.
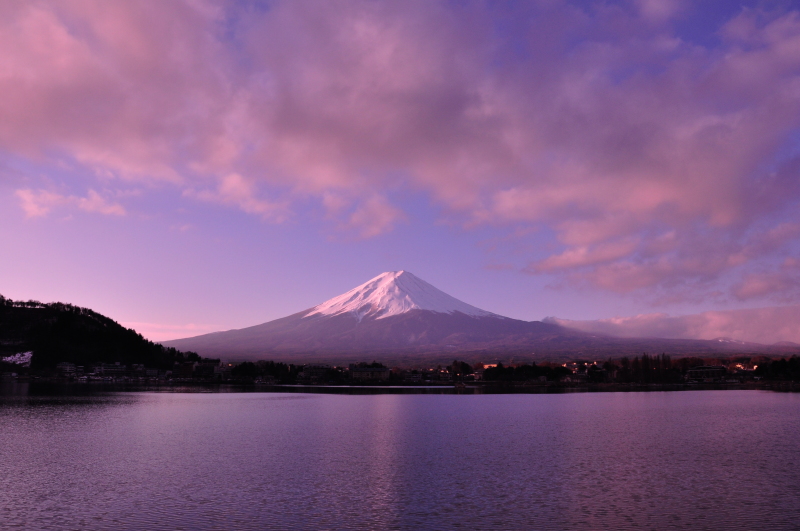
657 370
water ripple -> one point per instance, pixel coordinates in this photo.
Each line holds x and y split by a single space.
681 460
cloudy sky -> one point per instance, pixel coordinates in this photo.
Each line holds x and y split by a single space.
191 166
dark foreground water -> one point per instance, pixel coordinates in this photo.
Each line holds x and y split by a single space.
658 460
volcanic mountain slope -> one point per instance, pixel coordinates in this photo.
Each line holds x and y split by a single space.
393 312
399 318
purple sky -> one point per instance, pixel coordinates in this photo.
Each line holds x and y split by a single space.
185 167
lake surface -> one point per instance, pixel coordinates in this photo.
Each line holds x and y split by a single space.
636 460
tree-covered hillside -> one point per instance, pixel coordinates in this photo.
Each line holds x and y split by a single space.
59 332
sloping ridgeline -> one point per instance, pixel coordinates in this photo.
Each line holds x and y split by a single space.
57 332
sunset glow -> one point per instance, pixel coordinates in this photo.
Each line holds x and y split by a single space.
189 167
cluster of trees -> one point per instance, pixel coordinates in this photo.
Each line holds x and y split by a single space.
36 304
283 373
645 370
290 374
373 365
781 369
522 373
29 304
460 368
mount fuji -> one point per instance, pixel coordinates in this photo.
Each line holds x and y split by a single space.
399 318
395 316
392 294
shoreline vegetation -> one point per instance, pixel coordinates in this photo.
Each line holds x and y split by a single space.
47 386
645 374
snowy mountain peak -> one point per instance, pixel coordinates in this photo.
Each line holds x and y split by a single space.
394 293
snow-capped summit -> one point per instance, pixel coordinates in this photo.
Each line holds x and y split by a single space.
394 293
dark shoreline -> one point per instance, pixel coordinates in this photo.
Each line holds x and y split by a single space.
54 387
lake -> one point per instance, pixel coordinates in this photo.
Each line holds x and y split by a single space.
169 460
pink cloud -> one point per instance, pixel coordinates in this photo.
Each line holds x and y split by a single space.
781 284
654 161
375 216
96 203
39 203
233 189
585 256
98 81
759 325
659 10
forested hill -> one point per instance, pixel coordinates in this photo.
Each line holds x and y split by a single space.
59 332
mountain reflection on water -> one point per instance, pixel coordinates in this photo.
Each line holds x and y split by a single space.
146 460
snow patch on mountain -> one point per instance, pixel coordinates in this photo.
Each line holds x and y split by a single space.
395 293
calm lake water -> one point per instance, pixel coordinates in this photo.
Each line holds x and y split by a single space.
159 460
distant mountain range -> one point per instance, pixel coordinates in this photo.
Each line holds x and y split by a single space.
397 317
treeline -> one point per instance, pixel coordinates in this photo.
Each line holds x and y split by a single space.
523 373
781 369
647 369
365 365
281 372
36 304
